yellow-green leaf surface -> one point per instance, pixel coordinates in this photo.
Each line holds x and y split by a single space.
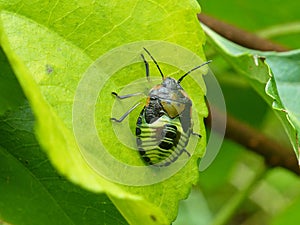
275 76
50 45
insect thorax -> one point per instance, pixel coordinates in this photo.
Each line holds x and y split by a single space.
172 98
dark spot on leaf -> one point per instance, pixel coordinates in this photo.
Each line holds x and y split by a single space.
49 69
153 217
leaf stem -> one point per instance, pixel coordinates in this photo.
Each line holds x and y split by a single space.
240 36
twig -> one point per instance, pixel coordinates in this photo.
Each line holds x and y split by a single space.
239 36
273 152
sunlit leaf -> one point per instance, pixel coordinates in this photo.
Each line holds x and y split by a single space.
51 44
275 77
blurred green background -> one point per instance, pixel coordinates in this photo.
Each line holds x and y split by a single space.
237 186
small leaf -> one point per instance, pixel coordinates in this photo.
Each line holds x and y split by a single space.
275 76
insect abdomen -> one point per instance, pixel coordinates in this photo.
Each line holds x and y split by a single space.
161 142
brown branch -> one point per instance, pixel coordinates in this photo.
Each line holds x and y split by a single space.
273 152
239 36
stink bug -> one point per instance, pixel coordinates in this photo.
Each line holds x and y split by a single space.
164 126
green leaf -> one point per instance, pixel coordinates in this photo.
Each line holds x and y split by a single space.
31 189
50 45
11 94
273 75
285 70
195 208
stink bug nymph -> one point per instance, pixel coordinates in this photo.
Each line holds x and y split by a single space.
164 126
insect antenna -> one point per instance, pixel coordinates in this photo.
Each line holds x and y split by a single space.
197 67
161 73
146 66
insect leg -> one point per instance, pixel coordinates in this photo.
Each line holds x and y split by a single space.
184 150
125 114
125 96
196 134
176 157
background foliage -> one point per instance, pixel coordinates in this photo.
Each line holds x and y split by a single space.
275 193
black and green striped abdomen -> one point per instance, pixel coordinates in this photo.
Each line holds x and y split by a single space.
162 141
